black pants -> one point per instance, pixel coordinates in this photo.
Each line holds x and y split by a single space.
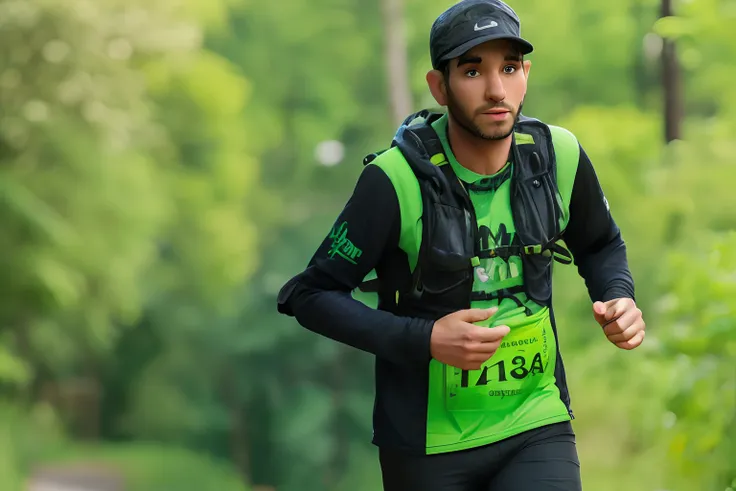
544 459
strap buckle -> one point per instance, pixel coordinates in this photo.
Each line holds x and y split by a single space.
533 249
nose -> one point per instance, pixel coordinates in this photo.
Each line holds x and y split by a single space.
495 90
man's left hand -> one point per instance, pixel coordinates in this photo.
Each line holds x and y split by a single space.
621 321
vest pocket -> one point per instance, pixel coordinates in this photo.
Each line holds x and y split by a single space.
537 207
448 248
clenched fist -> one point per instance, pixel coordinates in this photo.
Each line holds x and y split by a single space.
621 321
457 342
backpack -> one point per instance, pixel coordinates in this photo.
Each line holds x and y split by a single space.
443 276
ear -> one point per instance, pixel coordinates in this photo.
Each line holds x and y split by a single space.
527 68
437 86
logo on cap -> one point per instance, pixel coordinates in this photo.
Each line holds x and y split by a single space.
493 23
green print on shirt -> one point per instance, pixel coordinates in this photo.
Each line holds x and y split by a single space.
342 246
500 272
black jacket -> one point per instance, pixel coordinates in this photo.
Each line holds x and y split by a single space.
320 297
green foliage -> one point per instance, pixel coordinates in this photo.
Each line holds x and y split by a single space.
152 467
25 438
32 440
73 147
701 315
159 184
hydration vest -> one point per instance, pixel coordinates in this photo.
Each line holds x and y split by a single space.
442 281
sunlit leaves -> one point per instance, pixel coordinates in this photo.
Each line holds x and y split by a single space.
702 319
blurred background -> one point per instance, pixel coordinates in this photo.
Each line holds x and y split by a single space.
166 165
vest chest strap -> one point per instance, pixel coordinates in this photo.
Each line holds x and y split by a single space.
554 250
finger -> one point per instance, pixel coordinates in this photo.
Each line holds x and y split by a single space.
489 334
633 342
620 309
616 309
612 302
476 361
477 315
473 361
627 334
599 309
622 323
482 349
470 365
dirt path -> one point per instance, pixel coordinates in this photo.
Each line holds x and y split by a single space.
76 478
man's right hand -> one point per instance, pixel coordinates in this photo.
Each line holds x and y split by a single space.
457 342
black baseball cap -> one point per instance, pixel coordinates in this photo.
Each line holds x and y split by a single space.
469 23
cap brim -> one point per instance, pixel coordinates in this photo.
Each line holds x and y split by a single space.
526 46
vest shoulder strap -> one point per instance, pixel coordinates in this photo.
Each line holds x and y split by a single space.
543 154
409 196
567 151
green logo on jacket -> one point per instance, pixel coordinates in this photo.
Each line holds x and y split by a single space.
342 246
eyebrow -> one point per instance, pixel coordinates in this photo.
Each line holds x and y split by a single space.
474 60
468 60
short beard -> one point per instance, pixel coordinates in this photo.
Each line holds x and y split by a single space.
459 116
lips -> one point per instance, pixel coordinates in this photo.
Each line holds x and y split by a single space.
496 115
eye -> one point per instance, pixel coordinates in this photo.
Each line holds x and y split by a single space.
509 69
472 73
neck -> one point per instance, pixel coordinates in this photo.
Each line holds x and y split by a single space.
485 157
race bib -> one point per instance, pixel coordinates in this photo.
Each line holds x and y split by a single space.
523 364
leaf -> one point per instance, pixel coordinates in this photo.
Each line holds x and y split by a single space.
13 370
672 27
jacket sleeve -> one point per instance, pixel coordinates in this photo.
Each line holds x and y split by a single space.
595 240
320 297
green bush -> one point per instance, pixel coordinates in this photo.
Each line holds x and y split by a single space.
25 437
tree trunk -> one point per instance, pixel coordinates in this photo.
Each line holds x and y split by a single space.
395 49
672 84
639 75
239 438
340 457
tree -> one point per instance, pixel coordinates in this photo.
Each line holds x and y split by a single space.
397 65
671 83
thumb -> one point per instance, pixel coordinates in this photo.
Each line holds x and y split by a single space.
477 315
599 308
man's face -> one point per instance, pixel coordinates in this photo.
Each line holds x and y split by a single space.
485 89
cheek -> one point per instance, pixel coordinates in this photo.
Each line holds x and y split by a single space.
457 93
469 92
516 89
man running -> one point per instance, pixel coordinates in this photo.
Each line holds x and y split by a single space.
462 219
